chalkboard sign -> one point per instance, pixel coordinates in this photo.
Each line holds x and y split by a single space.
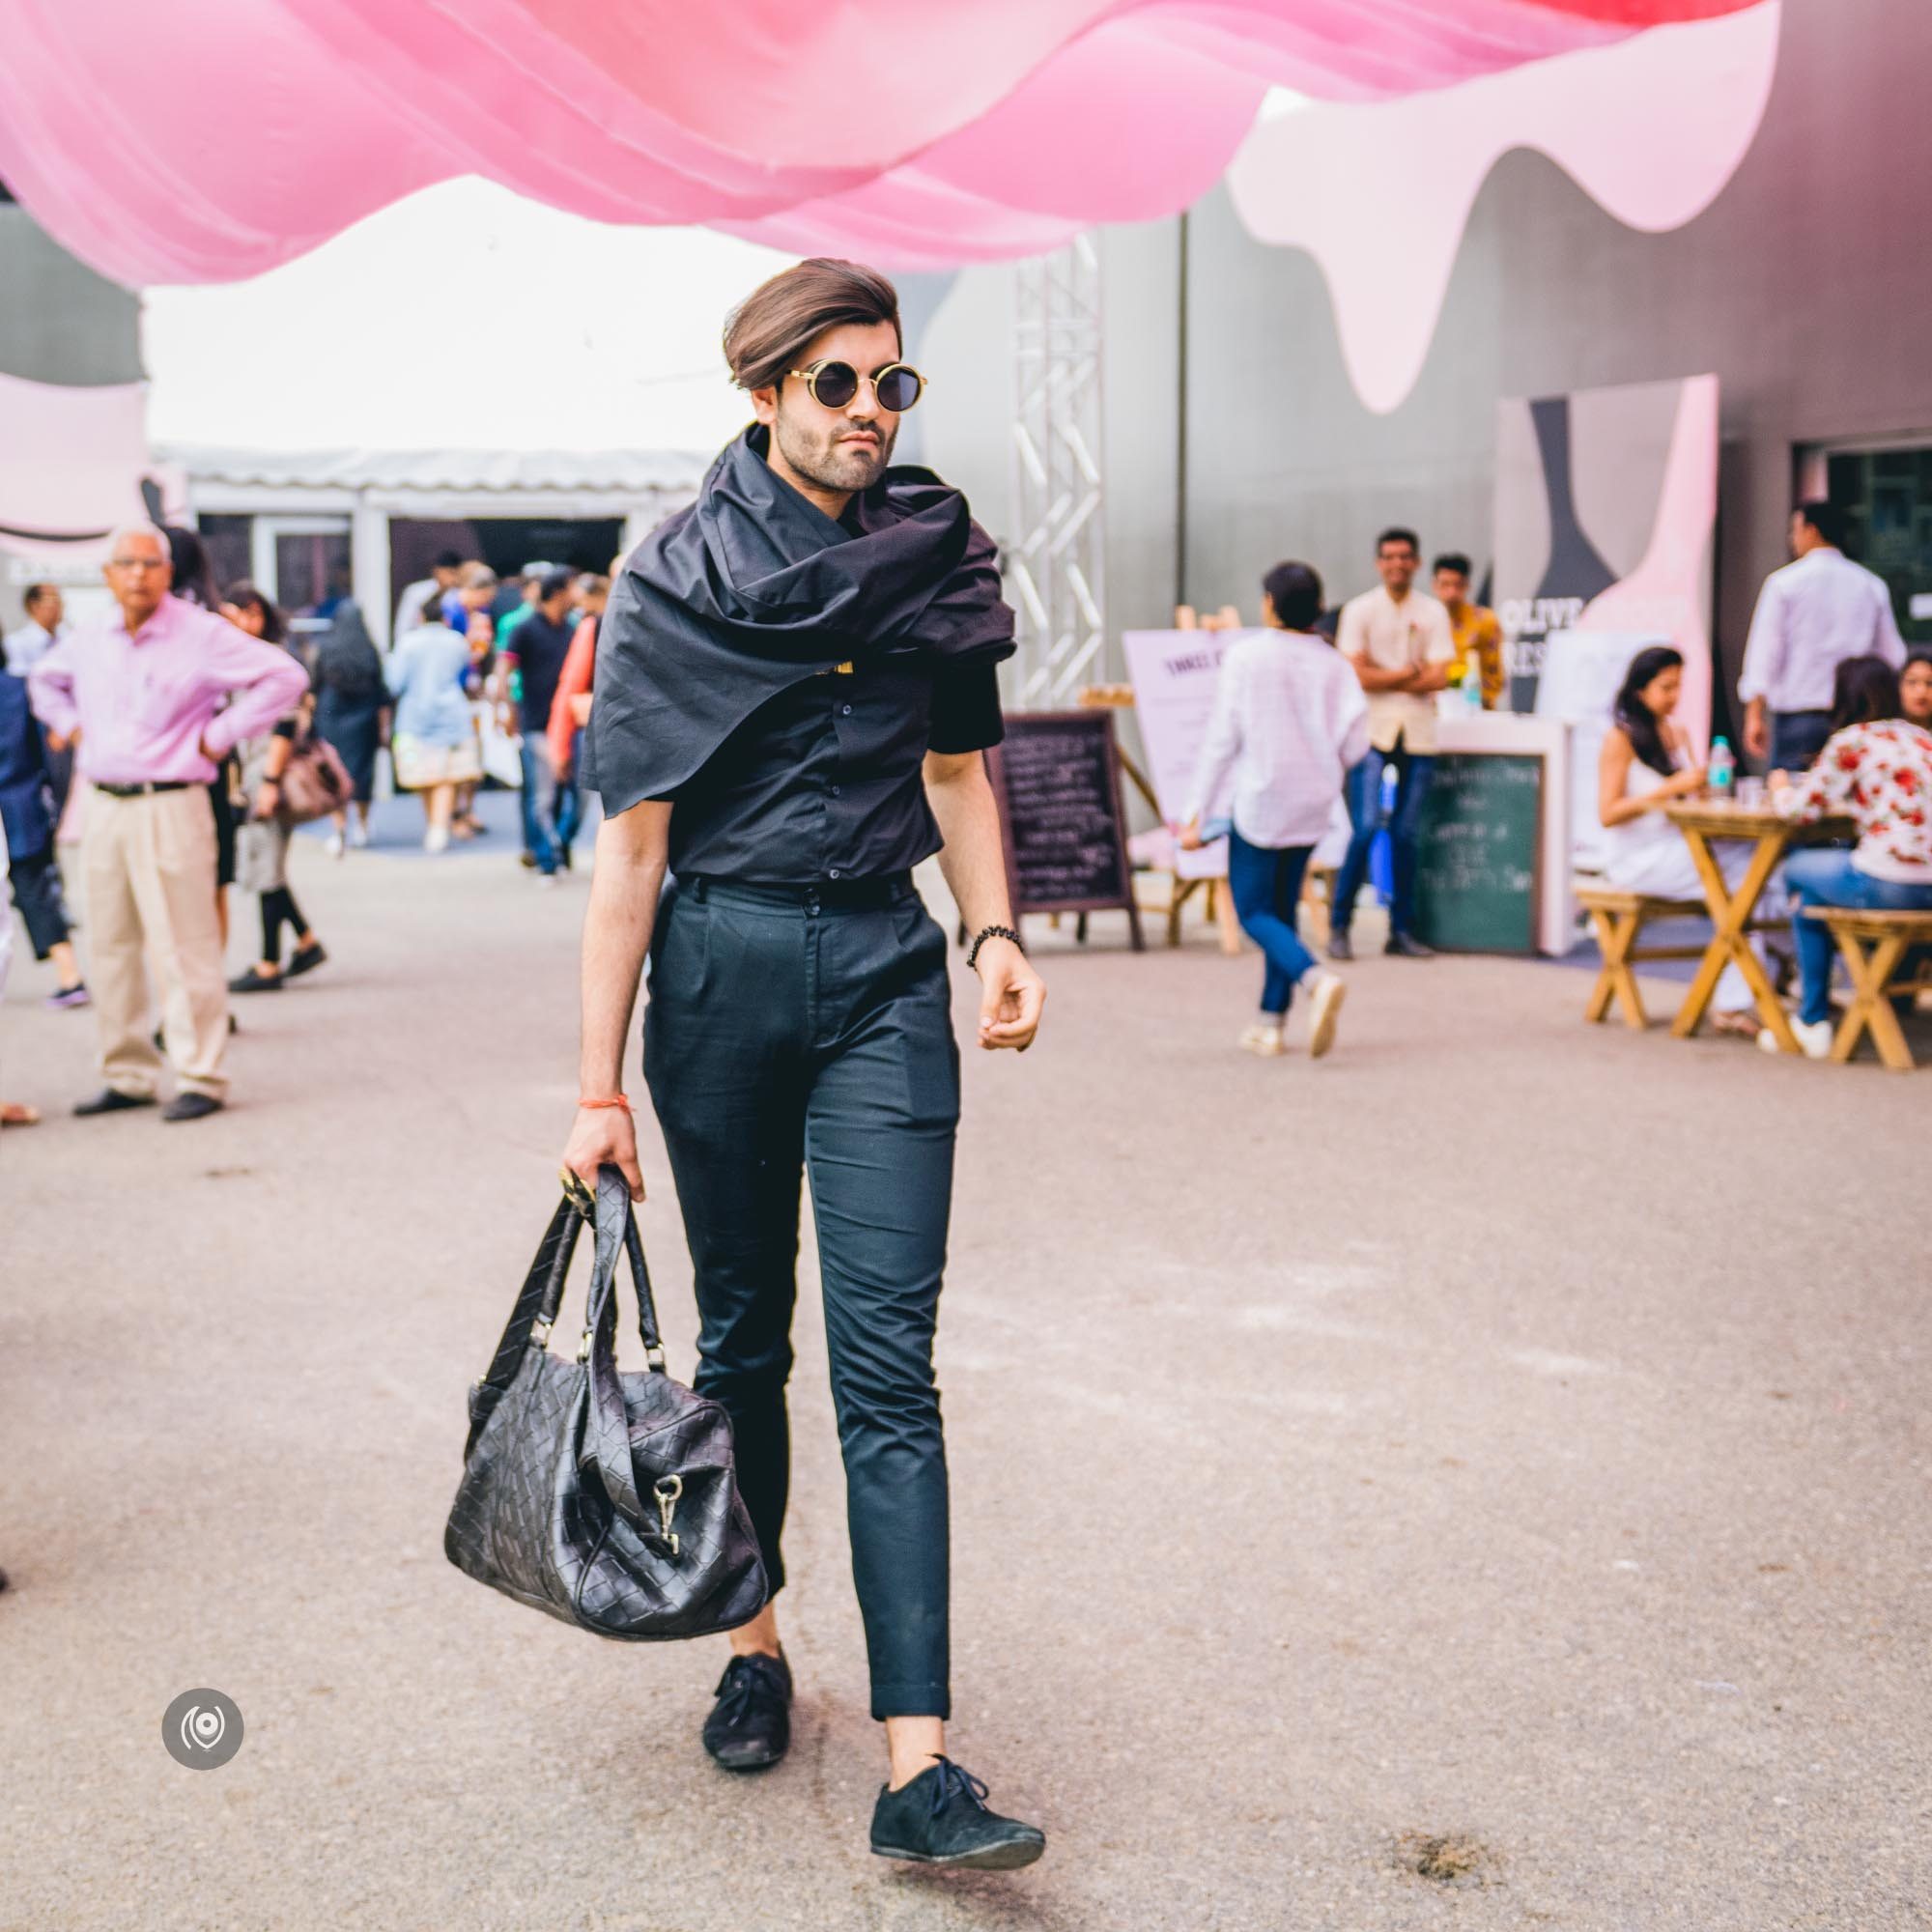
1478 879
1058 780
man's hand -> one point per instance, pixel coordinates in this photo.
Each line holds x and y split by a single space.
1011 997
605 1137
1188 836
268 799
1757 730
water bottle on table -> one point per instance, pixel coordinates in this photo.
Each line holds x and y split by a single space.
1723 770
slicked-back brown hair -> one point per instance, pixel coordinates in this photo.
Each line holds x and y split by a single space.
765 333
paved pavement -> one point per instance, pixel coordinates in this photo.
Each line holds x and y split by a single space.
1477 1481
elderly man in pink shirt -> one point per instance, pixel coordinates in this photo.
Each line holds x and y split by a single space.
141 696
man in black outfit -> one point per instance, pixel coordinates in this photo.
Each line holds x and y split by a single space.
796 680
535 652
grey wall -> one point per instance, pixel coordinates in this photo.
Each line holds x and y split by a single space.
1806 286
59 321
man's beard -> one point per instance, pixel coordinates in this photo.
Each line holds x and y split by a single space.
818 455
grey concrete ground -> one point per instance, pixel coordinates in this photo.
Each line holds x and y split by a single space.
1504 1433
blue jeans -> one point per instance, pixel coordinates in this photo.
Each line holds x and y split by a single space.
1364 796
551 810
1825 875
1264 882
1796 737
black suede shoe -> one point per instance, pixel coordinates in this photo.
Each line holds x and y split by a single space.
111 1100
1340 945
941 1819
1406 945
750 1726
254 980
305 959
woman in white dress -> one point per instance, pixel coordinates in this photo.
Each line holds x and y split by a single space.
1647 764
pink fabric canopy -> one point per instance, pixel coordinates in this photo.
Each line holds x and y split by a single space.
215 138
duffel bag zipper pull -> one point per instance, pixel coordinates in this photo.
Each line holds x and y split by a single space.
668 1488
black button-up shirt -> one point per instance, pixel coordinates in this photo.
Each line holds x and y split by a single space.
823 781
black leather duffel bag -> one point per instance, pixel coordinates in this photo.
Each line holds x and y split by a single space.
605 1496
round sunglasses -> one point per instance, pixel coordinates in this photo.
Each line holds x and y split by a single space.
896 388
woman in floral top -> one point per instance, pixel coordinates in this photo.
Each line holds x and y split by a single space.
1876 769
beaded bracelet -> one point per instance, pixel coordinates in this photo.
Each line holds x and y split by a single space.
991 932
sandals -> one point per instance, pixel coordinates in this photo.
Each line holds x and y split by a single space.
18 1114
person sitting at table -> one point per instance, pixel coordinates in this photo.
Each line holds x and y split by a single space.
1914 687
1646 765
1876 769
1290 723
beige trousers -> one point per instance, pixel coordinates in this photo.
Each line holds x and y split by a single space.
149 864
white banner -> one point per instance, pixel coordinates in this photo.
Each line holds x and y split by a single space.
1173 675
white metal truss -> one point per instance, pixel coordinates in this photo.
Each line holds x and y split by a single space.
1056 563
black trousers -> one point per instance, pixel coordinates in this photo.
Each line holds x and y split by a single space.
280 909
788 1034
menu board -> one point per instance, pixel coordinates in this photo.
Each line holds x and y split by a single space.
1479 872
1058 780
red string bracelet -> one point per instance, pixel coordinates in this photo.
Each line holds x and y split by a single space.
617 1100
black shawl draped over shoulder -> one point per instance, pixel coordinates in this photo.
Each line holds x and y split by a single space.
754 588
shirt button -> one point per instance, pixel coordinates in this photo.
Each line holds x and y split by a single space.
835 791
833 874
845 710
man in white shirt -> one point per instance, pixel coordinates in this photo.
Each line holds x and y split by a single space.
445 573
1290 723
34 638
1812 616
1401 643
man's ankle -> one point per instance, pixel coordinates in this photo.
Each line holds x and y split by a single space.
903 1771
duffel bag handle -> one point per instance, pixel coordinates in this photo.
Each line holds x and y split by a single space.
607 1424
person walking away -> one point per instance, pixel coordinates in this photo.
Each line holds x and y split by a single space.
444 575
1875 769
22 649
28 819
435 742
1474 628
263 843
1398 640
570 708
1812 616
352 713
1645 764
797 681
1290 722
156 697
533 658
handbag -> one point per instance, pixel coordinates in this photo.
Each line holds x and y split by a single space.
314 783
606 1497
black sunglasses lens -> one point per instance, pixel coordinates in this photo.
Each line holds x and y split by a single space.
898 389
836 384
